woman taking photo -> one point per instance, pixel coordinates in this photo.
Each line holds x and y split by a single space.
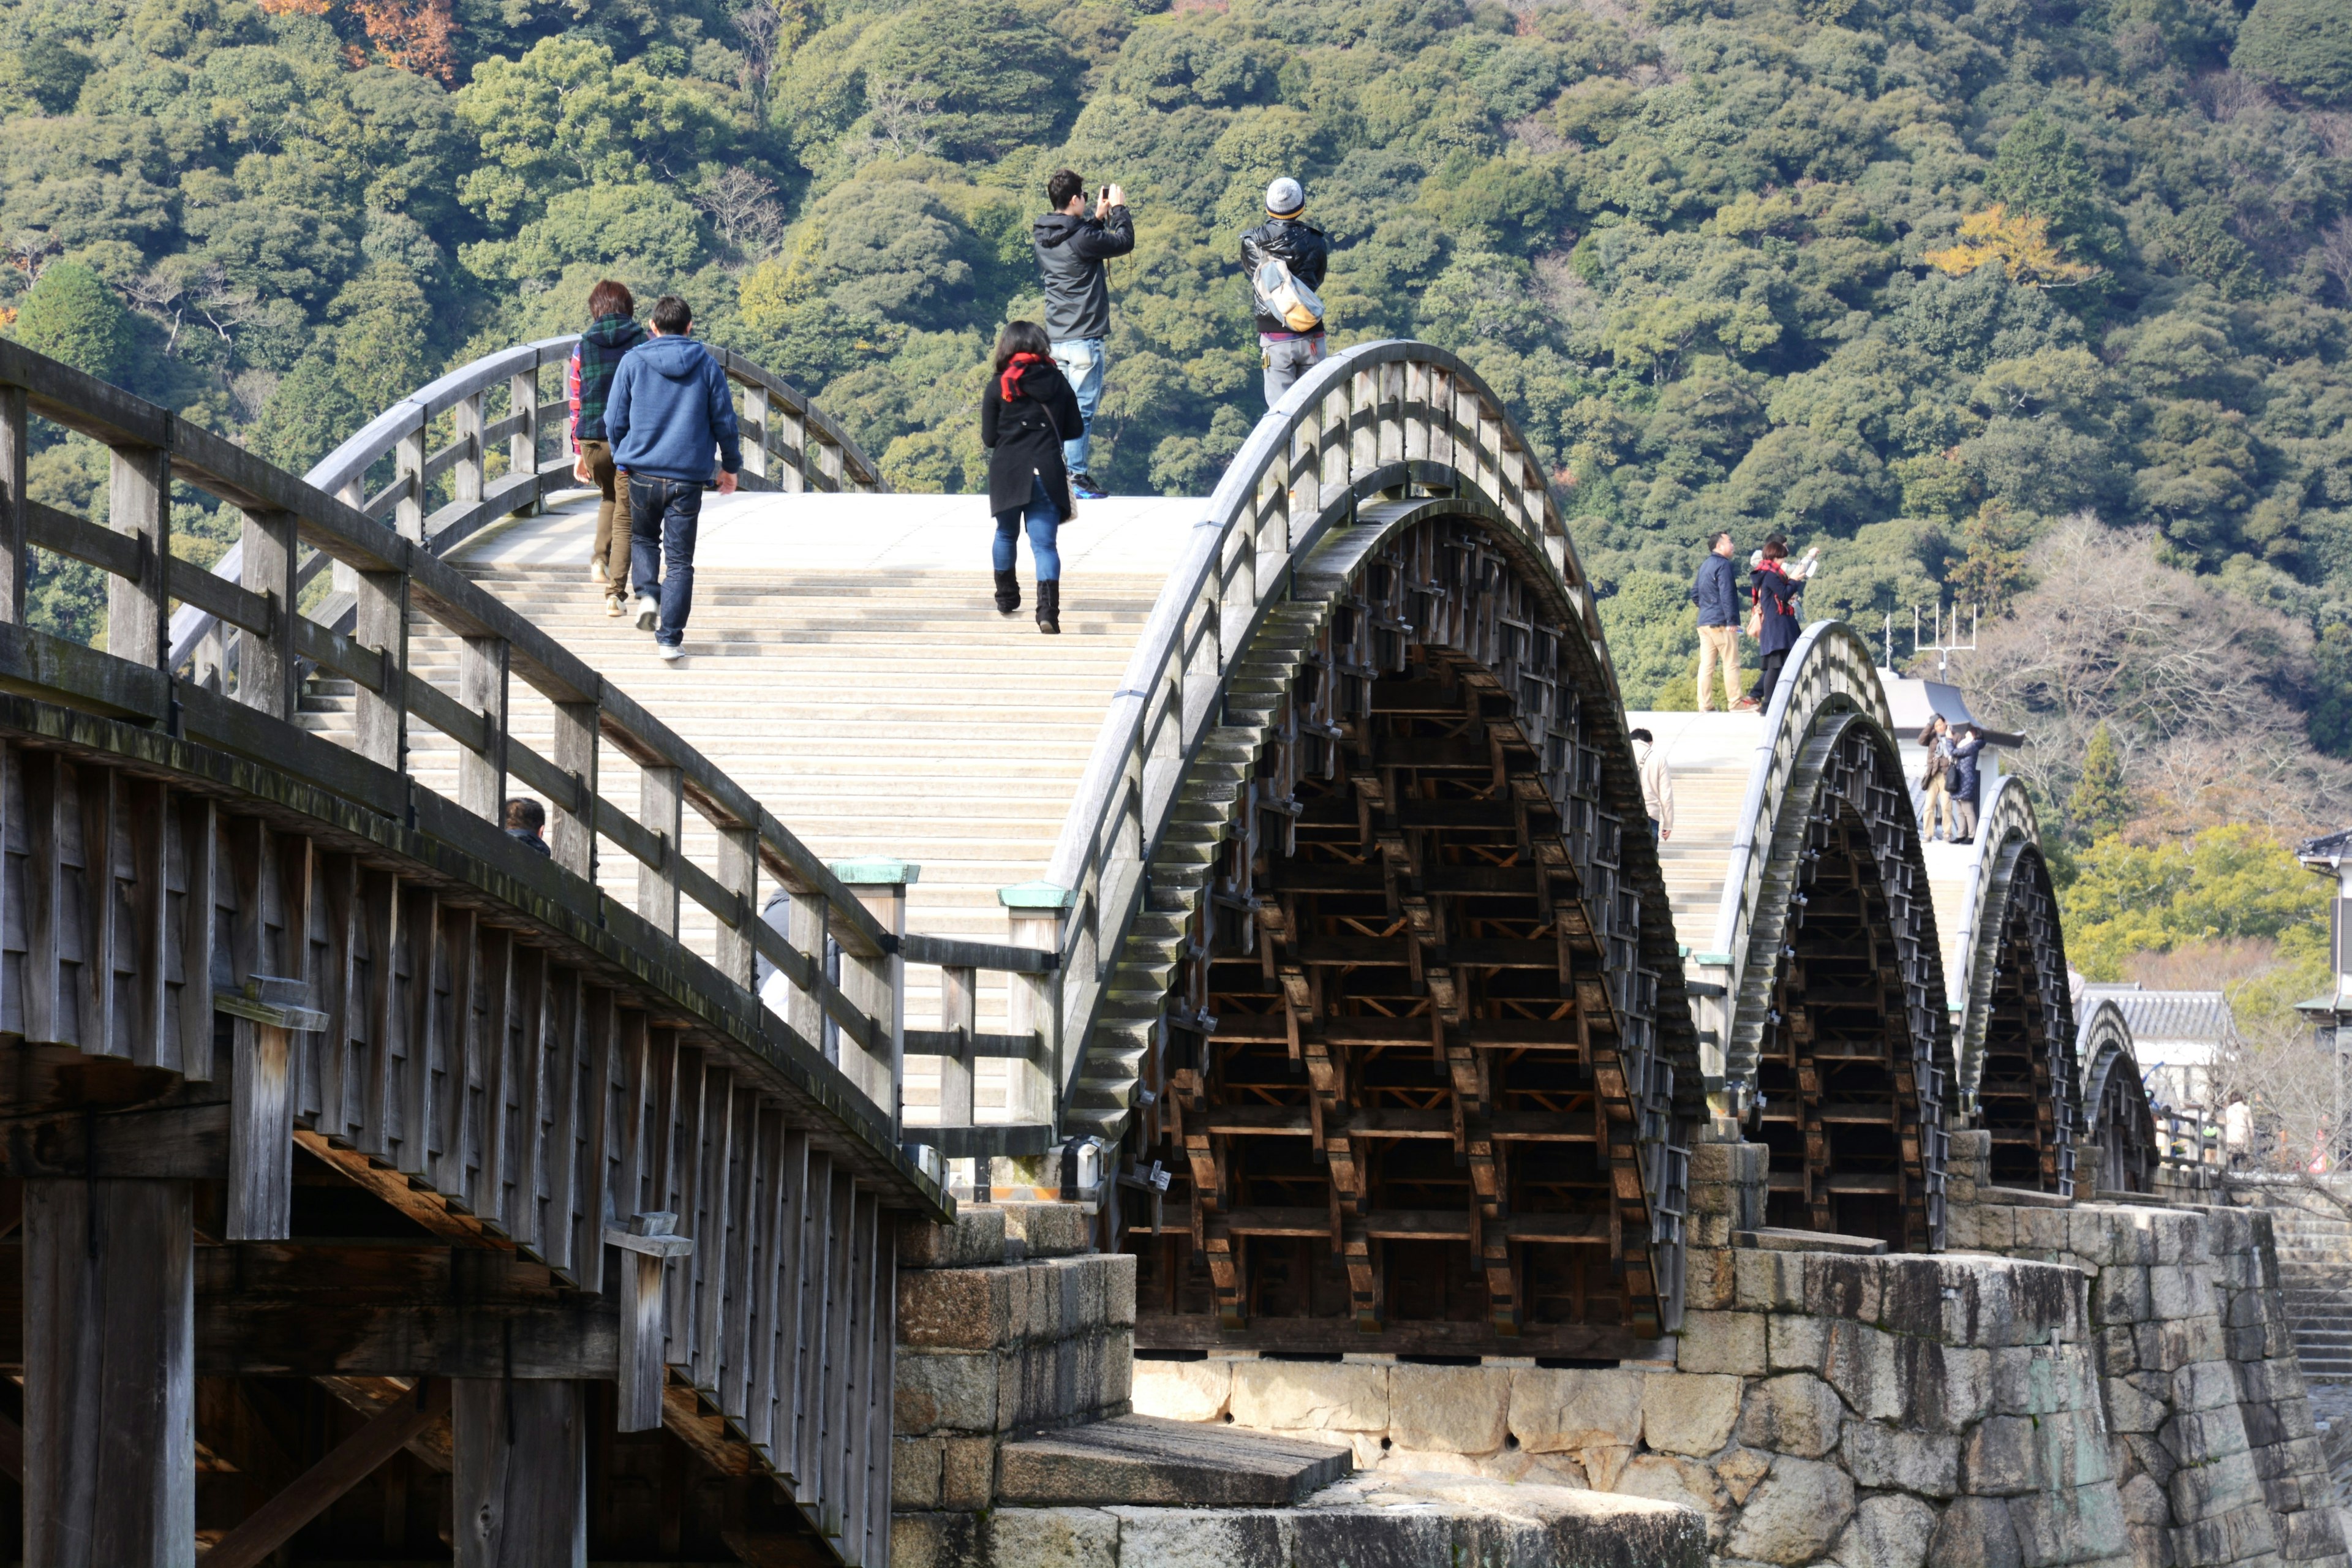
1026 415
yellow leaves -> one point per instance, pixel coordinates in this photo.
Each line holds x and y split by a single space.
2019 242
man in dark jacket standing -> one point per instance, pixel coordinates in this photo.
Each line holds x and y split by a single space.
1071 249
1965 782
1716 594
1288 351
672 424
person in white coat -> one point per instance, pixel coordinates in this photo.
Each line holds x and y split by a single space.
1657 785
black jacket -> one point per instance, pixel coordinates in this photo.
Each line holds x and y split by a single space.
1716 592
1297 245
1025 437
1775 594
1071 251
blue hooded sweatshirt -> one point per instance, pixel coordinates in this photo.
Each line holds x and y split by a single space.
668 410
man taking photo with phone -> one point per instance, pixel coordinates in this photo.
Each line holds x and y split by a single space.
1071 248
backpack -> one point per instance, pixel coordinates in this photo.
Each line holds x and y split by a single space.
1284 296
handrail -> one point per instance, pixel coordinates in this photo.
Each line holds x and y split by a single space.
397 576
1389 412
820 456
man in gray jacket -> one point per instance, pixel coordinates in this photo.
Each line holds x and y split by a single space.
1071 249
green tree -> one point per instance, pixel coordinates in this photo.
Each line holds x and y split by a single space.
70 314
2226 882
2101 802
569 114
2040 169
2305 45
1653 639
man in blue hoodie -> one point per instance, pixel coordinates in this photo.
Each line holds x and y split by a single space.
671 423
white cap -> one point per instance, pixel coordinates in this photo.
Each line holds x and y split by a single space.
1285 198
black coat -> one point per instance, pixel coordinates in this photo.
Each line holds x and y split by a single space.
1778 597
1297 245
1025 437
1071 251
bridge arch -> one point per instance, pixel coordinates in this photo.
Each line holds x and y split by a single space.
2018 1075
1369 953
1837 1051
2120 1151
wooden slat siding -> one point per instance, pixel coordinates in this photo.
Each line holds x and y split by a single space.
506 1094
94 793
456 1050
199 824
382 903
882 1390
563 1164
681 1196
337 991
490 1074
146 1016
728 1321
711 1204
806 1388
838 1352
518 1491
44 913
857 1453
294 959
526 1129
420 926
632 1074
767 1210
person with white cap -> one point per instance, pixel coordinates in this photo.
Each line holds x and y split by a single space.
1284 259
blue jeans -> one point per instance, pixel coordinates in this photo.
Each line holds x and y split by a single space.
1081 360
1045 520
664 517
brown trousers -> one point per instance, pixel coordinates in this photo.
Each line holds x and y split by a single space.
612 503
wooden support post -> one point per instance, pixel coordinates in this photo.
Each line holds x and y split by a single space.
959 1016
109 1375
266 665
875 983
15 515
571 835
739 873
755 419
466 472
519 1492
482 687
138 503
1034 914
646 1246
523 446
382 624
408 465
352 1460
662 810
268 1011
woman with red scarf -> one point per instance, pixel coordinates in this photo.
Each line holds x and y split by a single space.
1026 415
1775 590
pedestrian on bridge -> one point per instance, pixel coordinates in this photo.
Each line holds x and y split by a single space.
1716 593
1026 415
1071 248
1966 782
1284 259
1774 619
672 426
612 331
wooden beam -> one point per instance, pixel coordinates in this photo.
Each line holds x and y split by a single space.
425 1206
352 1460
518 1495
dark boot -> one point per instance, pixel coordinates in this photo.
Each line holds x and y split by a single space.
1008 593
1049 608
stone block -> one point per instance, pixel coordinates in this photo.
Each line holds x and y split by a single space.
2210 1490
1667 1477
1567 1410
2204 1437
1710 1280
1182 1390
1708 1231
1689 1412
2179 1237
2151 1457
1722 1341
1888 1532
1796 1343
1950 1386
1049 1231
2131 1410
1840 1285
2143 1501
2119 1350
1927 1463
934 1540
1862 1365
2003 1458
1791 1518
2027 1380
2168 1346
2176 1290
946 1392
1770 1281
1310 1396
1795 1412
916 1465
2078 1525
968 1473
2105 1237
2315 1532
1996 1227
2120 1294
1740 1470
1603 1465
1451 1409
1053 1537
956 1308
975 1240
2207 1385
2042 1230
1975 1532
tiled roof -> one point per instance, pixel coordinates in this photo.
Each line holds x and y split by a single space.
2166 1015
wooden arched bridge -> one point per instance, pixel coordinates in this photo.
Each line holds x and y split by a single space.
1297 908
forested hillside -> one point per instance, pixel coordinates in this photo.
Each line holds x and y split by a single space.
1911 280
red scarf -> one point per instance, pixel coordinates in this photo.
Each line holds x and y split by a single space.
1008 386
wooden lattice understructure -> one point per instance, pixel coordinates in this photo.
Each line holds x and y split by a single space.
2120 1148
2026 1073
1411 1094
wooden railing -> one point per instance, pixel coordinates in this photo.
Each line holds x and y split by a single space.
439 496
1381 414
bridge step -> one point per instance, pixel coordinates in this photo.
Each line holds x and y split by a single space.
1144 1460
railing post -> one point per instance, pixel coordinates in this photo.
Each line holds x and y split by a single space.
958 1018
523 446
408 467
482 687
755 415
466 475
138 618
15 557
739 873
382 624
808 922
572 840
661 809
875 983
265 664
1036 914
795 475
